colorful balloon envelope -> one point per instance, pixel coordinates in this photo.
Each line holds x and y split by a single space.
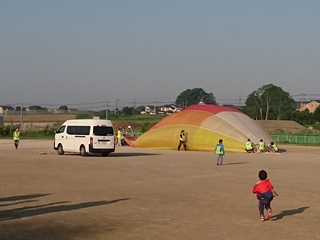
204 125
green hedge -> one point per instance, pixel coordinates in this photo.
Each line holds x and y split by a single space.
7 131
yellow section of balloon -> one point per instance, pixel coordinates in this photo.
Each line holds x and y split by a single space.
198 139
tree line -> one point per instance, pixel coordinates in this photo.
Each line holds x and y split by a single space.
269 102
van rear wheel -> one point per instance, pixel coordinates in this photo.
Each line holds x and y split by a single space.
83 151
60 150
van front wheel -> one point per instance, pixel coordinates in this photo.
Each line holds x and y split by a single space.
83 151
60 150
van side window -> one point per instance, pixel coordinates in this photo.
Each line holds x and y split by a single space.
103 131
61 129
78 130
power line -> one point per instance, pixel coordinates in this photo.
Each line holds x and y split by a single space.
120 103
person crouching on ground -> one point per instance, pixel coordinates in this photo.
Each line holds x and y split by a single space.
261 146
249 146
274 147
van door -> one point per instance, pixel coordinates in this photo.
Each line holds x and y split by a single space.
59 136
103 137
81 137
69 139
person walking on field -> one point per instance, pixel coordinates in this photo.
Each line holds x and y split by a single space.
182 140
219 150
16 137
264 192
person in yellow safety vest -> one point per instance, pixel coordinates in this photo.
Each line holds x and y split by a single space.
119 136
219 150
249 146
261 146
182 140
274 147
16 138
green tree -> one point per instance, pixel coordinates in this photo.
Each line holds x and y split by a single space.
36 107
139 109
128 111
64 107
253 105
317 114
194 96
303 117
269 102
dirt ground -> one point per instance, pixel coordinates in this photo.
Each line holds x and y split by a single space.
154 194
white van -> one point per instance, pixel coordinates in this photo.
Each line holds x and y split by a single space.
85 136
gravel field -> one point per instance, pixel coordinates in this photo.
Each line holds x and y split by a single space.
154 194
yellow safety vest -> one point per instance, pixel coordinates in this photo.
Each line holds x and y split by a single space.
218 150
182 137
248 145
261 146
275 147
119 134
16 135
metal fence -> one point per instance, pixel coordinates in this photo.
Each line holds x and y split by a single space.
296 139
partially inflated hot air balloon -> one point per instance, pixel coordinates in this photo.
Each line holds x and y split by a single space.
204 125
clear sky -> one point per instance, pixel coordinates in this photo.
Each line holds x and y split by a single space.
78 51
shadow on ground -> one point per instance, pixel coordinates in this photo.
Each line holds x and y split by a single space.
23 197
235 163
114 155
37 228
282 150
288 213
29 211
131 154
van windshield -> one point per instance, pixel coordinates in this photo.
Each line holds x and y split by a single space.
103 131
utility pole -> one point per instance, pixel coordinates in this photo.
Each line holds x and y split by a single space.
240 100
134 105
107 111
115 111
302 97
20 115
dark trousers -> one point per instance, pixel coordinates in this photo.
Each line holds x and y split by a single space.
263 204
184 145
16 143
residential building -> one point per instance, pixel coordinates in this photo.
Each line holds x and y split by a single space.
4 110
161 110
169 109
311 106
150 109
